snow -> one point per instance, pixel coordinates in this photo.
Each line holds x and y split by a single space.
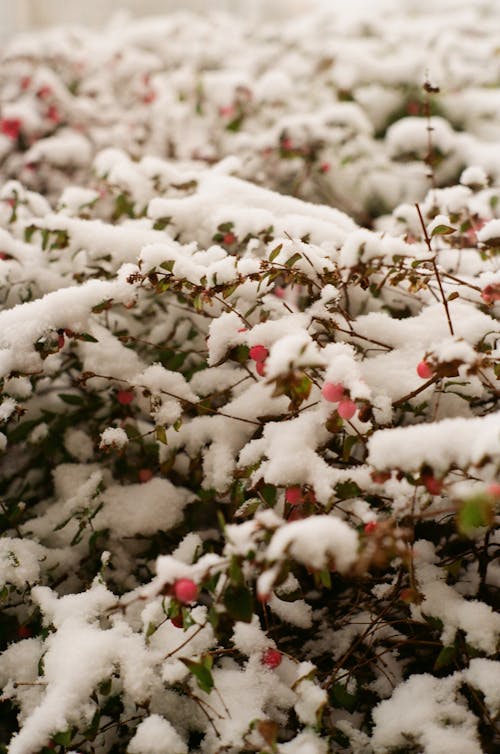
155 735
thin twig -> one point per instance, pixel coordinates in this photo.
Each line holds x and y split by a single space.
436 271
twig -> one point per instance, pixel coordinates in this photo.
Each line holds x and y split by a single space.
436 271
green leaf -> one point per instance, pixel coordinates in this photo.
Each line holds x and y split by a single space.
340 697
346 490
442 230
161 435
445 657
72 400
239 603
168 265
86 337
294 258
475 512
63 738
202 673
275 252
103 306
268 492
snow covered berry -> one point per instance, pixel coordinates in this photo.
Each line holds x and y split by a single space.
491 293
185 590
332 391
271 658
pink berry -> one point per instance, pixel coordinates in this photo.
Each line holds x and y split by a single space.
185 591
261 368
324 167
271 658
332 391
491 293
145 475
346 409
125 397
424 370
258 353
293 495
493 489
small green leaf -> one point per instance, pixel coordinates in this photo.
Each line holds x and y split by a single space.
274 253
442 230
340 697
63 738
202 673
445 657
239 603
475 512
168 265
268 492
294 258
346 490
86 337
71 400
161 435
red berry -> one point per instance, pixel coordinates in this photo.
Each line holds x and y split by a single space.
60 341
324 167
424 370
10 127
493 489
432 485
346 409
379 477
332 391
271 658
491 293
145 475
279 291
125 397
229 238
293 495
370 527
53 114
261 368
258 353
44 92
177 621
185 591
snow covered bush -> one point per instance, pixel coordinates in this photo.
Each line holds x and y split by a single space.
250 447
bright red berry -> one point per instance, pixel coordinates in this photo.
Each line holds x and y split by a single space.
424 370
271 658
370 527
258 353
185 590
125 397
293 495
229 238
261 368
10 127
346 409
332 391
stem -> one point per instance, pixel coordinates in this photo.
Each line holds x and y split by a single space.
436 271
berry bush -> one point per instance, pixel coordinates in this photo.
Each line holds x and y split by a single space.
249 377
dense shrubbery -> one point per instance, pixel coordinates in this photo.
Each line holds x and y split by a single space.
250 449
